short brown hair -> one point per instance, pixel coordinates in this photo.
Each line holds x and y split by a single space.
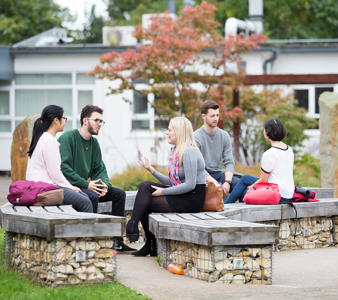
88 110
209 104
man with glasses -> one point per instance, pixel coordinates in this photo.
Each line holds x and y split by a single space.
82 165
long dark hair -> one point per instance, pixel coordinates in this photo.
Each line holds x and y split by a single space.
49 113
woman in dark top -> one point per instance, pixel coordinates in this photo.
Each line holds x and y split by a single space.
183 190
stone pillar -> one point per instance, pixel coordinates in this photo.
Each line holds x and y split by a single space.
328 124
22 136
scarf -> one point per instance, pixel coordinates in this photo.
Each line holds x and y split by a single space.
173 167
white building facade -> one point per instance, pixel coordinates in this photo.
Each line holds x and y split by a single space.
56 75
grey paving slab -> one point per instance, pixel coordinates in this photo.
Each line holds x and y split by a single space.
302 274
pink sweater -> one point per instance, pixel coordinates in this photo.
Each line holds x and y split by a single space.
44 165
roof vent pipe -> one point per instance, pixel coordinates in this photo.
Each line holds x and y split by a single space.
172 7
256 14
234 26
188 2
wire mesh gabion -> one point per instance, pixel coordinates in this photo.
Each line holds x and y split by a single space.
61 261
305 233
223 264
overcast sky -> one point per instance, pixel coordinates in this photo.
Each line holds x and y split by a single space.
79 7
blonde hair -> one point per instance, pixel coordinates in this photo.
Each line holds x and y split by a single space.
184 135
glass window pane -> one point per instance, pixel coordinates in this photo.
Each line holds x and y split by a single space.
161 124
140 103
41 79
17 122
78 124
68 125
4 103
318 92
5 82
31 102
303 98
84 98
84 79
5 126
140 124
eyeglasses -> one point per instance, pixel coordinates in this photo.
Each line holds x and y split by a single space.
65 118
97 121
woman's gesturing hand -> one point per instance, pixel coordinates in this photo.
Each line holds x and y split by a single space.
145 163
158 190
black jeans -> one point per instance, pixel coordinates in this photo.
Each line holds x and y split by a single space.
115 195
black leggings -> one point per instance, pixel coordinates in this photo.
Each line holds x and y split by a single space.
145 203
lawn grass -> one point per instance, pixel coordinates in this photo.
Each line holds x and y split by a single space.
17 287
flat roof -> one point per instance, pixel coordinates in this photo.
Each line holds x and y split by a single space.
306 45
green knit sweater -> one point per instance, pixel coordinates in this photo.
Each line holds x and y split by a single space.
81 160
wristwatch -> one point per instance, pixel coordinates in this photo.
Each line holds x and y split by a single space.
228 181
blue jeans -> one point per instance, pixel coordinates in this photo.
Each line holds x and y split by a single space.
220 177
240 189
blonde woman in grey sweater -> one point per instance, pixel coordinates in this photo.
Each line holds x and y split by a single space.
182 190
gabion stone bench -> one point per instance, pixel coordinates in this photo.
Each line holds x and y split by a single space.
57 245
234 246
212 247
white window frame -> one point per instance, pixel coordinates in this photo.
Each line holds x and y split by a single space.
73 86
148 116
312 95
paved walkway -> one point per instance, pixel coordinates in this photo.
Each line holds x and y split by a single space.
5 181
302 274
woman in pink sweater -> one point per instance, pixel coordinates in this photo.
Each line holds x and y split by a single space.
44 157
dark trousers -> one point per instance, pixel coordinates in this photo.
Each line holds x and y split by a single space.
79 201
220 177
115 195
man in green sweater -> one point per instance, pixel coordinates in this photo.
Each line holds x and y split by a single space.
83 167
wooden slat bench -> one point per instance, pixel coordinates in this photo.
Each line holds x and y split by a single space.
58 245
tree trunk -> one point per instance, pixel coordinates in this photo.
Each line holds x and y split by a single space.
236 128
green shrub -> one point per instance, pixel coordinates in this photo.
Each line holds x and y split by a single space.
307 171
131 179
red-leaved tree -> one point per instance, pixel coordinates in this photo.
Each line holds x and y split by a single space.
184 61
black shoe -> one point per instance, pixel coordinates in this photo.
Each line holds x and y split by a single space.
121 247
145 250
132 230
153 246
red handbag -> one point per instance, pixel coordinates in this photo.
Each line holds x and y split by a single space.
263 193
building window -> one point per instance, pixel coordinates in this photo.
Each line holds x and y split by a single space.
318 92
141 119
32 92
30 102
140 103
84 98
307 97
145 116
5 119
43 79
302 97
4 102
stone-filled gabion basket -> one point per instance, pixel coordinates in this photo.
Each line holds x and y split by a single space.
59 261
223 264
306 233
